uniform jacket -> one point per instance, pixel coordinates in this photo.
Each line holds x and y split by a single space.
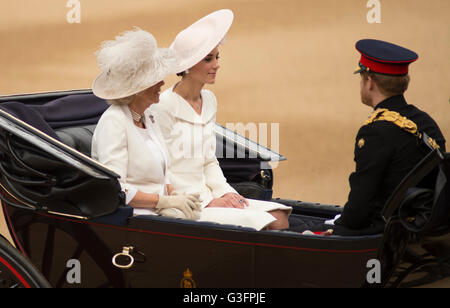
384 155
118 145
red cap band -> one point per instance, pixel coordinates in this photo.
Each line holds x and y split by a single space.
385 68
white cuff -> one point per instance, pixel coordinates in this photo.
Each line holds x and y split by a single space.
130 193
206 201
219 192
331 221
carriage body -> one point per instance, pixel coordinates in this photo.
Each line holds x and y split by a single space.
65 213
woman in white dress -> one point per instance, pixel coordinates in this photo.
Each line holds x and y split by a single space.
187 115
127 138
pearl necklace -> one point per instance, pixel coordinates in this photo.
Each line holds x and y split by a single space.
138 117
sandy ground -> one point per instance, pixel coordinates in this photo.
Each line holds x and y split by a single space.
285 61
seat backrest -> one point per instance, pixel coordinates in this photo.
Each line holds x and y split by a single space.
28 115
70 119
72 110
79 137
74 119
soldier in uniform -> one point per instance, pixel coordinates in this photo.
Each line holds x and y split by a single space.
387 146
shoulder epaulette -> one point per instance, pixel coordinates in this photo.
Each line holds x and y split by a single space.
401 121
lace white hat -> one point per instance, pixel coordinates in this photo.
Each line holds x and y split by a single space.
130 64
196 41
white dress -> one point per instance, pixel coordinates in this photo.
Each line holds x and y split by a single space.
193 167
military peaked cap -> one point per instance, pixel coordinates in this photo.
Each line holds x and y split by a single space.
384 58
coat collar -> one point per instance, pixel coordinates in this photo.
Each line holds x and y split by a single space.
392 103
183 110
152 126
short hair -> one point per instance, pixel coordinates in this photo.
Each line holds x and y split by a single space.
389 85
121 101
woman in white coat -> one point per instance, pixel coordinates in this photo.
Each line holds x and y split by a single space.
187 115
127 139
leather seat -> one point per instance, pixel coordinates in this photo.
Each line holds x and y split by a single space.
78 137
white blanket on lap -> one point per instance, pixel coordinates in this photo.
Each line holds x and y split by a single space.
254 216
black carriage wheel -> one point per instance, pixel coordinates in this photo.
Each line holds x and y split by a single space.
16 271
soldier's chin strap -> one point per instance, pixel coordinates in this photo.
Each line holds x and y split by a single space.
404 123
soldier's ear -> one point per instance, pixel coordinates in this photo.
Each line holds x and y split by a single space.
365 82
371 83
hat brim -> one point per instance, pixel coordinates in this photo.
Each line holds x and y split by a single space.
210 30
361 69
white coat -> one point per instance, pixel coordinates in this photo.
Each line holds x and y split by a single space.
193 167
119 146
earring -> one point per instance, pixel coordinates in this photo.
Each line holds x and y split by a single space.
186 71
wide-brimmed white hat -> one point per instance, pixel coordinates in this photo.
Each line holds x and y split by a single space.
196 41
130 64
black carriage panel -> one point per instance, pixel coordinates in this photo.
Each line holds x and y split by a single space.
182 254
212 255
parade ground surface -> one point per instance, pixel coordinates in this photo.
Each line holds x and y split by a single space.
286 64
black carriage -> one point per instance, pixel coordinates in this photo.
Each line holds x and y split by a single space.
64 222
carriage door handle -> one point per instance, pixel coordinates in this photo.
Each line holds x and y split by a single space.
128 259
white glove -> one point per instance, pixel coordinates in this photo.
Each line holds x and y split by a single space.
179 206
